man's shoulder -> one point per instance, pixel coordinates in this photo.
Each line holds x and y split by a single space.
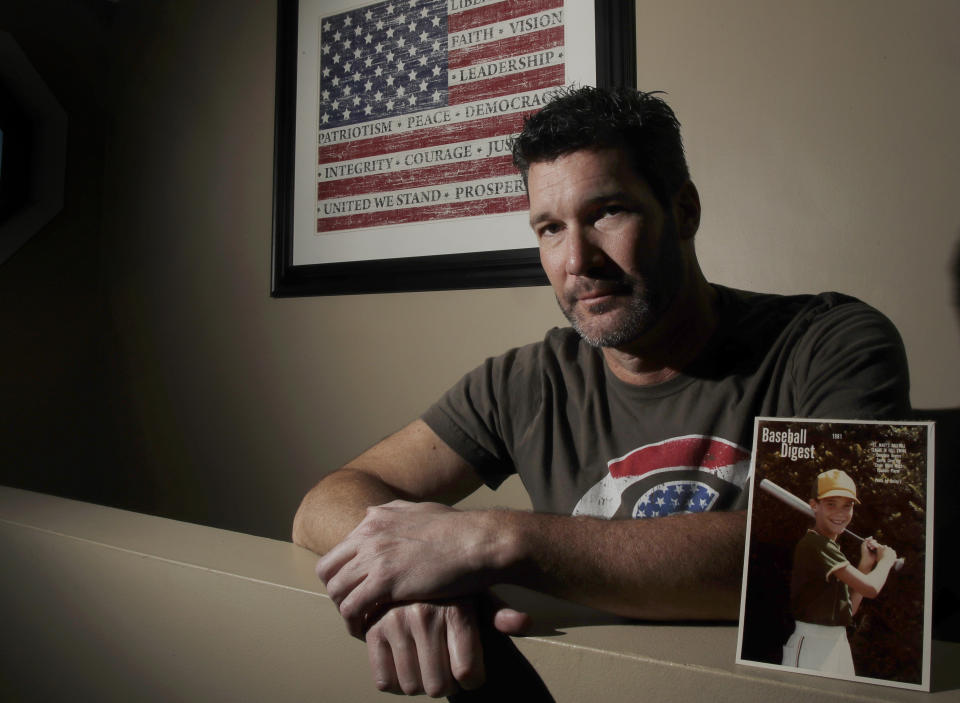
817 313
753 302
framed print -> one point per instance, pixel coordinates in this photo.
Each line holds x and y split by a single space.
838 572
392 165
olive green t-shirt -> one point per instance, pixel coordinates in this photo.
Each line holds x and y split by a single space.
586 443
816 594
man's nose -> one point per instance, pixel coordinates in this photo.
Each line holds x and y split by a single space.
583 254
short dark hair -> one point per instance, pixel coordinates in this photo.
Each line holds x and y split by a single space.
602 118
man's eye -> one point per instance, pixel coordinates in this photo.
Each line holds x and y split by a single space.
609 211
548 229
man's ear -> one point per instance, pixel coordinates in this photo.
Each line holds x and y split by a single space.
813 504
686 210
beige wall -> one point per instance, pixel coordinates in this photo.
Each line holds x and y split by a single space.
820 136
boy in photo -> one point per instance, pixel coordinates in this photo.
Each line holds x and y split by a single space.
825 589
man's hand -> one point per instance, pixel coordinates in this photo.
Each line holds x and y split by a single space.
403 552
435 648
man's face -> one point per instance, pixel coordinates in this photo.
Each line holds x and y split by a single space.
609 249
832 515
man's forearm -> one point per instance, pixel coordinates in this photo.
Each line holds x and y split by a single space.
335 506
681 567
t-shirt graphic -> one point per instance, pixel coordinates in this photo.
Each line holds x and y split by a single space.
688 474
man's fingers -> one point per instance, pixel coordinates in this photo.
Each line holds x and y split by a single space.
430 636
511 622
334 560
504 618
355 607
381 664
464 647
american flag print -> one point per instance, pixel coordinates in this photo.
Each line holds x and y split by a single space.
418 100
687 474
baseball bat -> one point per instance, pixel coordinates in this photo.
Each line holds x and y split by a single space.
799 504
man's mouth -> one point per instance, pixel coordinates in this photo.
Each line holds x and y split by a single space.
597 295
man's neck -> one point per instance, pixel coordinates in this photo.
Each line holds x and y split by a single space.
673 343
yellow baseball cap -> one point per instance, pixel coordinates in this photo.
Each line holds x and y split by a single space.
836 483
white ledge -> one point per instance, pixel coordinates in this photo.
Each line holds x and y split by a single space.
108 605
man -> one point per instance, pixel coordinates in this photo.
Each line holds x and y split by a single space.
644 408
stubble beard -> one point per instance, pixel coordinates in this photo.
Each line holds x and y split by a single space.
634 320
649 296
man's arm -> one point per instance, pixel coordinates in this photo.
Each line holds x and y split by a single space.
680 567
419 647
413 464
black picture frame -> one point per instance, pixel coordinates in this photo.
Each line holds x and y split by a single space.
615 26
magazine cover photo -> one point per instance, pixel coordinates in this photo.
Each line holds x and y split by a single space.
837 574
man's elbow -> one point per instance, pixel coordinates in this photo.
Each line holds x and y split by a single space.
300 534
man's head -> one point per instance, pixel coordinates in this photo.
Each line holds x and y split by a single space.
834 495
640 124
613 210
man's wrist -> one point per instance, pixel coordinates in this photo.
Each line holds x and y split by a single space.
504 546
